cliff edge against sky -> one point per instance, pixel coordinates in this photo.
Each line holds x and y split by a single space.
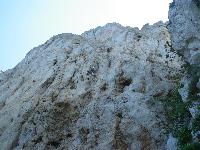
112 87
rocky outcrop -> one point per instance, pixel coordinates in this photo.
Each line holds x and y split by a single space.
97 90
184 28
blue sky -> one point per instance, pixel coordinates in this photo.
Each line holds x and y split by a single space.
28 23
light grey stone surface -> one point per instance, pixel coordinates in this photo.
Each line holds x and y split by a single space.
97 91
184 26
171 143
194 109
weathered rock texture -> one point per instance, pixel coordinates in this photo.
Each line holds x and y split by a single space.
97 90
184 27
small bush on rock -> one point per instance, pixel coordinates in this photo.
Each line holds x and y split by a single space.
192 146
183 135
196 123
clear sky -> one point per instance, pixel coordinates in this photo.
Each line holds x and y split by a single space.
25 24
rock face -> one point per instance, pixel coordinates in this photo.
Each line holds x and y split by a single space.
184 27
97 90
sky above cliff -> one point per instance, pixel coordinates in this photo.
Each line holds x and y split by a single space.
28 23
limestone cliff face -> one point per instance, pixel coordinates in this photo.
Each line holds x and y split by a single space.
184 28
97 90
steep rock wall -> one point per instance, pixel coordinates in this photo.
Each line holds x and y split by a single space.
184 28
97 90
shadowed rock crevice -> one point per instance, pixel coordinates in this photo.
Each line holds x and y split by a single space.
46 84
197 2
119 141
121 82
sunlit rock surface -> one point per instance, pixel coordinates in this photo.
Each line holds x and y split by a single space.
97 90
